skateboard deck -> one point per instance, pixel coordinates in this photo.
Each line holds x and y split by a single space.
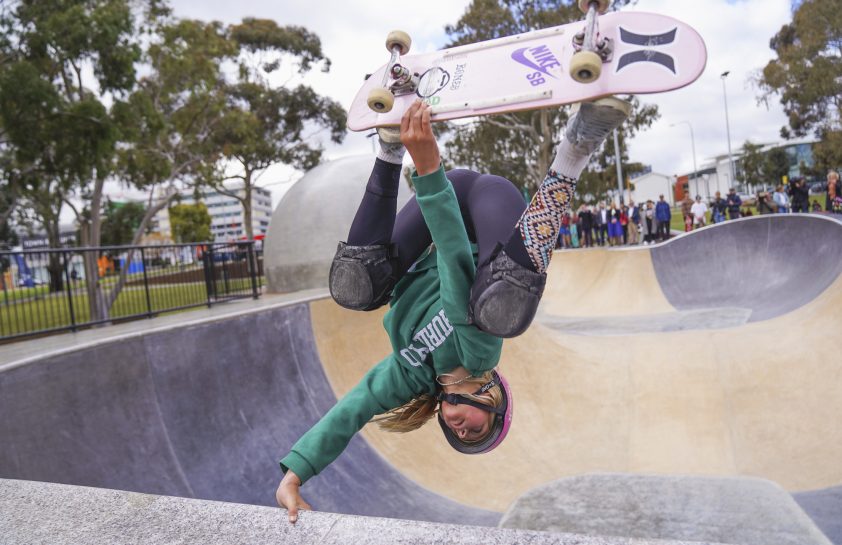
651 54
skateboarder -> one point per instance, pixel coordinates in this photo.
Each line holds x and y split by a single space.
447 316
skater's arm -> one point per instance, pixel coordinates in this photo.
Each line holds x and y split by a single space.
437 200
386 386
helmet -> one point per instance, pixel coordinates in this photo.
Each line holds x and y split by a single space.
500 425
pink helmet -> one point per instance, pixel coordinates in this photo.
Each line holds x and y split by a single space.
499 427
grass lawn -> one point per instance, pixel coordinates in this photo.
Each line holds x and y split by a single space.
42 310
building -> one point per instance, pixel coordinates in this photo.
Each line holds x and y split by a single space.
651 185
226 212
715 173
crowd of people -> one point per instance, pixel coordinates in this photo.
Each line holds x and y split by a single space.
616 225
629 224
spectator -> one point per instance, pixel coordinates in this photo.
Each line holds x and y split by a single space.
663 216
764 203
648 225
615 229
781 200
800 196
564 232
720 205
834 193
586 218
747 212
601 224
634 223
687 213
574 230
624 221
817 207
699 212
734 203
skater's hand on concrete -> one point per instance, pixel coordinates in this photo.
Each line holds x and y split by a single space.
417 136
288 496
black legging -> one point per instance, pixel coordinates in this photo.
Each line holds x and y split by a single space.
491 207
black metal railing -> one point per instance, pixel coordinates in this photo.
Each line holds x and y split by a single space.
55 290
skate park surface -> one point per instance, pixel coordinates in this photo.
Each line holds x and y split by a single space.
709 356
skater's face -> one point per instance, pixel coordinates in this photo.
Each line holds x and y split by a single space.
468 423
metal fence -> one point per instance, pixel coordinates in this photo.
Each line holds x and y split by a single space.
55 290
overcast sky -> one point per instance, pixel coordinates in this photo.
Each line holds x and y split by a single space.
737 34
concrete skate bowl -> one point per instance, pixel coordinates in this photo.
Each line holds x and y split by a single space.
652 377
201 411
205 410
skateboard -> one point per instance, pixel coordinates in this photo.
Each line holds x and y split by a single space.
613 53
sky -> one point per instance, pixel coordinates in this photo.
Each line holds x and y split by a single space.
737 34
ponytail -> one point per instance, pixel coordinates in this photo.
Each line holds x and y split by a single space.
418 411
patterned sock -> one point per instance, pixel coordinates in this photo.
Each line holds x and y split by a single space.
540 223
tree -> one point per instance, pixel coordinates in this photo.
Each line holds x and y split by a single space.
167 123
753 162
776 165
190 223
521 145
56 115
265 125
807 76
120 221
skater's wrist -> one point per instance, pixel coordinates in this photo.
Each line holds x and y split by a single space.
430 183
428 167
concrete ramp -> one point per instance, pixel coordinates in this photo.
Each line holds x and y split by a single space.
748 384
203 411
769 265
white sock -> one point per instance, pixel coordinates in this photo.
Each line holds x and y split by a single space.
391 153
569 161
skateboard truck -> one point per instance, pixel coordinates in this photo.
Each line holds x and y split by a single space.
591 49
404 82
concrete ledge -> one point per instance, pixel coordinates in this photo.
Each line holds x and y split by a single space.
32 512
741 510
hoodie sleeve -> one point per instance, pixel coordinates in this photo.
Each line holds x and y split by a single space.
387 386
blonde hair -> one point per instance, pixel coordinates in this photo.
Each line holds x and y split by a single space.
418 411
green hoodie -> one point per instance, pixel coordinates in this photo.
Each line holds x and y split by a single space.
428 329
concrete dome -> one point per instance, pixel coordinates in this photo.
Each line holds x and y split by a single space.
313 216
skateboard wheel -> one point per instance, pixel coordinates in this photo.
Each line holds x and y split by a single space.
398 38
585 66
584 5
381 100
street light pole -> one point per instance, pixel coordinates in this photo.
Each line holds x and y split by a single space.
619 166
728 130
693 146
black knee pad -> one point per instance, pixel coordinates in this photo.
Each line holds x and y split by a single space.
505 296
362 277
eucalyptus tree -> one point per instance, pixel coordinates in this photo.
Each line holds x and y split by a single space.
806 76
265 123
521 145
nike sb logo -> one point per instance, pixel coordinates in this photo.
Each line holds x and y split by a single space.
540 60
648 54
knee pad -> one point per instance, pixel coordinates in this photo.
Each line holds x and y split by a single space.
362 277
505 296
